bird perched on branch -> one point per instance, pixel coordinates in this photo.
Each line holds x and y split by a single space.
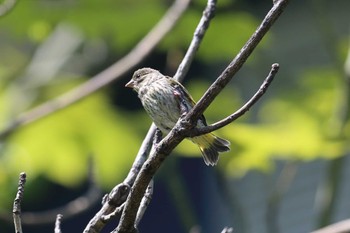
165 100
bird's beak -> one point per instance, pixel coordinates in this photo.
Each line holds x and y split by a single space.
130 84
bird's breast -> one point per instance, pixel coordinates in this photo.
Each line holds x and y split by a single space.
161 105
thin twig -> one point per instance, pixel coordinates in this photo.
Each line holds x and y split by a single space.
58 223
73 208
237 62
17 203
181 72
121 191
245 108
141 156
178 133
198 36
111 202
144 203
135 56
7 6
202 27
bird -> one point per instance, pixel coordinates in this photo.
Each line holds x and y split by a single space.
166 100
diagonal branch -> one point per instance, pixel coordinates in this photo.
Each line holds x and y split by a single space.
208 15
237 62
202 27
245 108
97 223
183 126
141 50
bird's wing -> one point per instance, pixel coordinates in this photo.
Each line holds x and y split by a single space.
184 99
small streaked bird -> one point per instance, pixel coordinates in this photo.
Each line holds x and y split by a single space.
165 100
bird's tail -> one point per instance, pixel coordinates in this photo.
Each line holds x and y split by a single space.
210 146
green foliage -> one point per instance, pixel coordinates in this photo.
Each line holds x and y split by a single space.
302 123
299 125
95 18
61 144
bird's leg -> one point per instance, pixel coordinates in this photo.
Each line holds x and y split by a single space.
157 137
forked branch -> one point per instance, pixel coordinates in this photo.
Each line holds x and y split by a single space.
183 127
245 108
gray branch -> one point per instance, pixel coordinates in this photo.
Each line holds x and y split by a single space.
17 203
237 62
198 36
144 203
245 108
183 127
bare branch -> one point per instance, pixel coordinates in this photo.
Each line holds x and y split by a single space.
144 203
245 108
183 127
145 148
58 223
199 33
237 62
17 203
141 156
113 200
339 227
140 51
147 142
69 210
7 6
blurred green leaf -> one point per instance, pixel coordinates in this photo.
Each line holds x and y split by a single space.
59 145
291 127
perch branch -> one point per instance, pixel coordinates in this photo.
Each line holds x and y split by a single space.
183 127
98 220
245 108
237 62
17 203
140 51
202 27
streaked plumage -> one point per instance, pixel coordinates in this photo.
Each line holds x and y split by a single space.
165 100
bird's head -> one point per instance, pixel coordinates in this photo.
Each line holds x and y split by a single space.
142 77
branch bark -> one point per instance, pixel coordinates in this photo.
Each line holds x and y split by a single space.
98 222
17 203
245 108
183 127
237 62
